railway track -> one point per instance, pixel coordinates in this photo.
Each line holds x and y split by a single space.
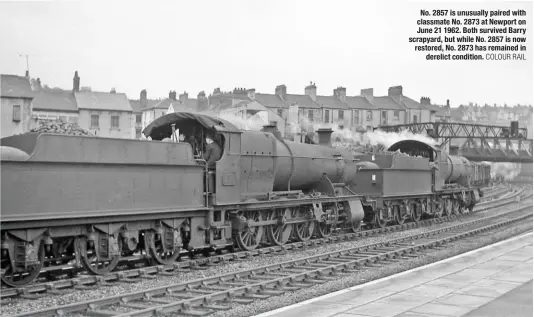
87 282
205 296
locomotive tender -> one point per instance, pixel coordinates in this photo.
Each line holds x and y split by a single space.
98 201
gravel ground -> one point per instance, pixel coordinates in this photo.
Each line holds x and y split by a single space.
18 306
374 273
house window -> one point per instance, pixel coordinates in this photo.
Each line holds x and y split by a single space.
95 121
16 113
310 115
384 117
341 114
138 118
137 133
63 118
327 116
114 121
369 116
414 118
356 117
280 112
73 119
396 114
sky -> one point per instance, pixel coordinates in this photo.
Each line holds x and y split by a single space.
200 45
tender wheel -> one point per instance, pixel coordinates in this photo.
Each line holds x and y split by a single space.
303 231
279 233
160 246
22 277
250 236
94 261
382 217
399 219
328 223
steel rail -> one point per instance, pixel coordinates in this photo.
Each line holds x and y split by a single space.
203 296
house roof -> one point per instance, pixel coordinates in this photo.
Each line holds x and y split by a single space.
303 101
358 102
102 101
55 101
12 86
270 100
331 102
136 105
386 103
412 104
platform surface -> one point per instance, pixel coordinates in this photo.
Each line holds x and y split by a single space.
495 281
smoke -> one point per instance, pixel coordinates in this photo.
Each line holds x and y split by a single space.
508 171
251 123
343 137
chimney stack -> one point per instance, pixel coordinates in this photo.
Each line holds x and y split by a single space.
76 82
395 92
183 97
202 101
368 94
172 95
325 136
38 84
143 99
425 101
448 105
341 93
27 74
251 93
113 91
281 91
311 90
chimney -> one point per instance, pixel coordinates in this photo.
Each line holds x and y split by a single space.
395 92
38 84
172 95
448 105
216 91
183 97
76 82
368 94
27 74
143 99
341 93
202 101
113 91
272 128
281 91
425 101
311 90
325 136
251 93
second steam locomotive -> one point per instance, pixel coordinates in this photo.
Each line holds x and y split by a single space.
96 202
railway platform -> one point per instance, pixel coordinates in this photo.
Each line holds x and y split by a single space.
494 281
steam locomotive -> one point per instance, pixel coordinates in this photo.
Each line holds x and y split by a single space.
96 202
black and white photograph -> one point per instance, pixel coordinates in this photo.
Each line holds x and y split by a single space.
266 158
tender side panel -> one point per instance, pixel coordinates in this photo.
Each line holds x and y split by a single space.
42 190
392 182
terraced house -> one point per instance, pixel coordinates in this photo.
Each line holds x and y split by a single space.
15 100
